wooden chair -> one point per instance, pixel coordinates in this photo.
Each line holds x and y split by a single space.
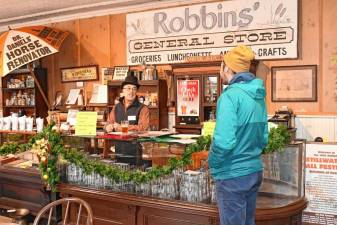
65 201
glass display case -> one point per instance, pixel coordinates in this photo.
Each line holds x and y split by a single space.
184 196
283 177
283 181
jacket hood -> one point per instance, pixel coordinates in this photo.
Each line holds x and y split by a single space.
252 86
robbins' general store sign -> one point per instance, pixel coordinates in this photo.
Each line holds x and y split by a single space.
175 34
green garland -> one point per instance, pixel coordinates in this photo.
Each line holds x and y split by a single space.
49 172
48 168
12 148
278 138
117 175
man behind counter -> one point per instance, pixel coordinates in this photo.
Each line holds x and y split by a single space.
130 109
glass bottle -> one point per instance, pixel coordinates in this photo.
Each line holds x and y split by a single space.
207 90
32 100
27 82
147 98
155 73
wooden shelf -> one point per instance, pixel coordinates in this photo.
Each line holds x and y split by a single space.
193 126
148 82
40 108
17 132
150 107
65 108
19 106
115 82
97 105
14 89
141 82
209 104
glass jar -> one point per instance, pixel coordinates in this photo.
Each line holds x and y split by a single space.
32 100
15 100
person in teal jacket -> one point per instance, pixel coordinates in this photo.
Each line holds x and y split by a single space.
241 132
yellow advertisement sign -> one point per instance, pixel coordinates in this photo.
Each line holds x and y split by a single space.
208 128
86 123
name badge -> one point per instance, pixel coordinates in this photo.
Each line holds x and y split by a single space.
131 118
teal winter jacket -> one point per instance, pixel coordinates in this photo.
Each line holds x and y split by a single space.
241 130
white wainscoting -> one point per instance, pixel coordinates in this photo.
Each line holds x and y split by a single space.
310 127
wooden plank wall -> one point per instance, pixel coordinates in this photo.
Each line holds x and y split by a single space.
101 40
93 41
328 47
309 53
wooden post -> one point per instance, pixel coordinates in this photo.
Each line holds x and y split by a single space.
38 85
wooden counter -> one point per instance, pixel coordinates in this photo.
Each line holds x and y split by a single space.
23 188
130 209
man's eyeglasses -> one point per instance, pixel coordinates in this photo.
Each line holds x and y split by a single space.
130 89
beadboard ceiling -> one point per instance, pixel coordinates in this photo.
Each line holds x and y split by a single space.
18 13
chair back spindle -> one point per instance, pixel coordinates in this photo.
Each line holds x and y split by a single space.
68 201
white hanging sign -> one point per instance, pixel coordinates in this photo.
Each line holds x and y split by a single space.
177 34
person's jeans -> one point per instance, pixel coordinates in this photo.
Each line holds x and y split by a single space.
236 199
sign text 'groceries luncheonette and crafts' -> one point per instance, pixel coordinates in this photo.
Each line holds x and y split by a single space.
177 34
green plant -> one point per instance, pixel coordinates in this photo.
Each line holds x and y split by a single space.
278 138
12 148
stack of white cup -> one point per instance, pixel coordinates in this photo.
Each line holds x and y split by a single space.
22 123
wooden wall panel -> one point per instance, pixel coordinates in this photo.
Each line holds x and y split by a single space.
309 53
329 49
118 39
94 41
94 48
87 44
67 57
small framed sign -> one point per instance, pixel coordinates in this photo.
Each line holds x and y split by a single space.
120 72
107 73
82 73
294 83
